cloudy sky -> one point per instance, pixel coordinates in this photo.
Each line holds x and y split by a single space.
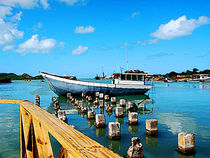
80 37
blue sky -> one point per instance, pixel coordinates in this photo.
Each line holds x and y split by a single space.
79 37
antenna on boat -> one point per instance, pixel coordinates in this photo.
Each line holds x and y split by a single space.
126 54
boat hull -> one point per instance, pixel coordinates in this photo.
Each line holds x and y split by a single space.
62 86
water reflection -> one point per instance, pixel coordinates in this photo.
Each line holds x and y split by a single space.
133 129
114 145
120 120
152 141
91 122
100 132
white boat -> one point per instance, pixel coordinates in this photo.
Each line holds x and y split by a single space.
123 83
205 78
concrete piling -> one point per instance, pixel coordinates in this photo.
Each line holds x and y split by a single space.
100 120
54 99
91 114
132 107
152 127
113 100
119 112
186 143
68 95
90 99
84 109
97 94
101 95
114 130
106 97
135 150
62 116
109 108
101 103
83 95
122 102
133 118
37 100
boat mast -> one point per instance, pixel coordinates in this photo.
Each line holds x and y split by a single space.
126 54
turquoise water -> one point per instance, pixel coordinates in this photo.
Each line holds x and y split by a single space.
179 107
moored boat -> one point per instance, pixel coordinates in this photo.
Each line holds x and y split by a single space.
123 83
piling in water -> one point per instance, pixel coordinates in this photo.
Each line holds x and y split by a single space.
84 110
114 130
101 95
152 127
132 107
83 95
106 97
113 100
122 102
100 120
133 118
119 112
91 114
135 150
62 116
186 142
37 100
68 95
101 103
109 108
97 94
89 99
96 102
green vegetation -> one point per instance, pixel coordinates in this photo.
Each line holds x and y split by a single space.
188 72
12 76
5 80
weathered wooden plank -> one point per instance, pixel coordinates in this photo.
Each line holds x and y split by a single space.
26 122
22 142
7 101
42 139
74 142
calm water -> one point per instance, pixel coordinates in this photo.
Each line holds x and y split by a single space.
177 106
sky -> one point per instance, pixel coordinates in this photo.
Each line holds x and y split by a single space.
86 37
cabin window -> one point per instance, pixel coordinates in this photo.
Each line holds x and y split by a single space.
128 77
134 77
139 77
122 77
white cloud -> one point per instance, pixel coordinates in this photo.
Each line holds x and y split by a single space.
73 2
26 4
17 16
179 27
34 45
146 42
79 50
8 47
82 29
8 32
44 3
134 14
5 11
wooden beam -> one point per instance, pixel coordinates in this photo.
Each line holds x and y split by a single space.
42 140
75 143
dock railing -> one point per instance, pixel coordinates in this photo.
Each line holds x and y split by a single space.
35 126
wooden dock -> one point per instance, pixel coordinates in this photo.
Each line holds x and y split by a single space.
35 126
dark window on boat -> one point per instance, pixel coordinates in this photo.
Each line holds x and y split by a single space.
122 77
139 77
128 77
134 77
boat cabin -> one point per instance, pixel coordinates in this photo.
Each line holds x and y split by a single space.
129 78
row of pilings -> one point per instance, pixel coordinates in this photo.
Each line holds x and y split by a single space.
185 140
